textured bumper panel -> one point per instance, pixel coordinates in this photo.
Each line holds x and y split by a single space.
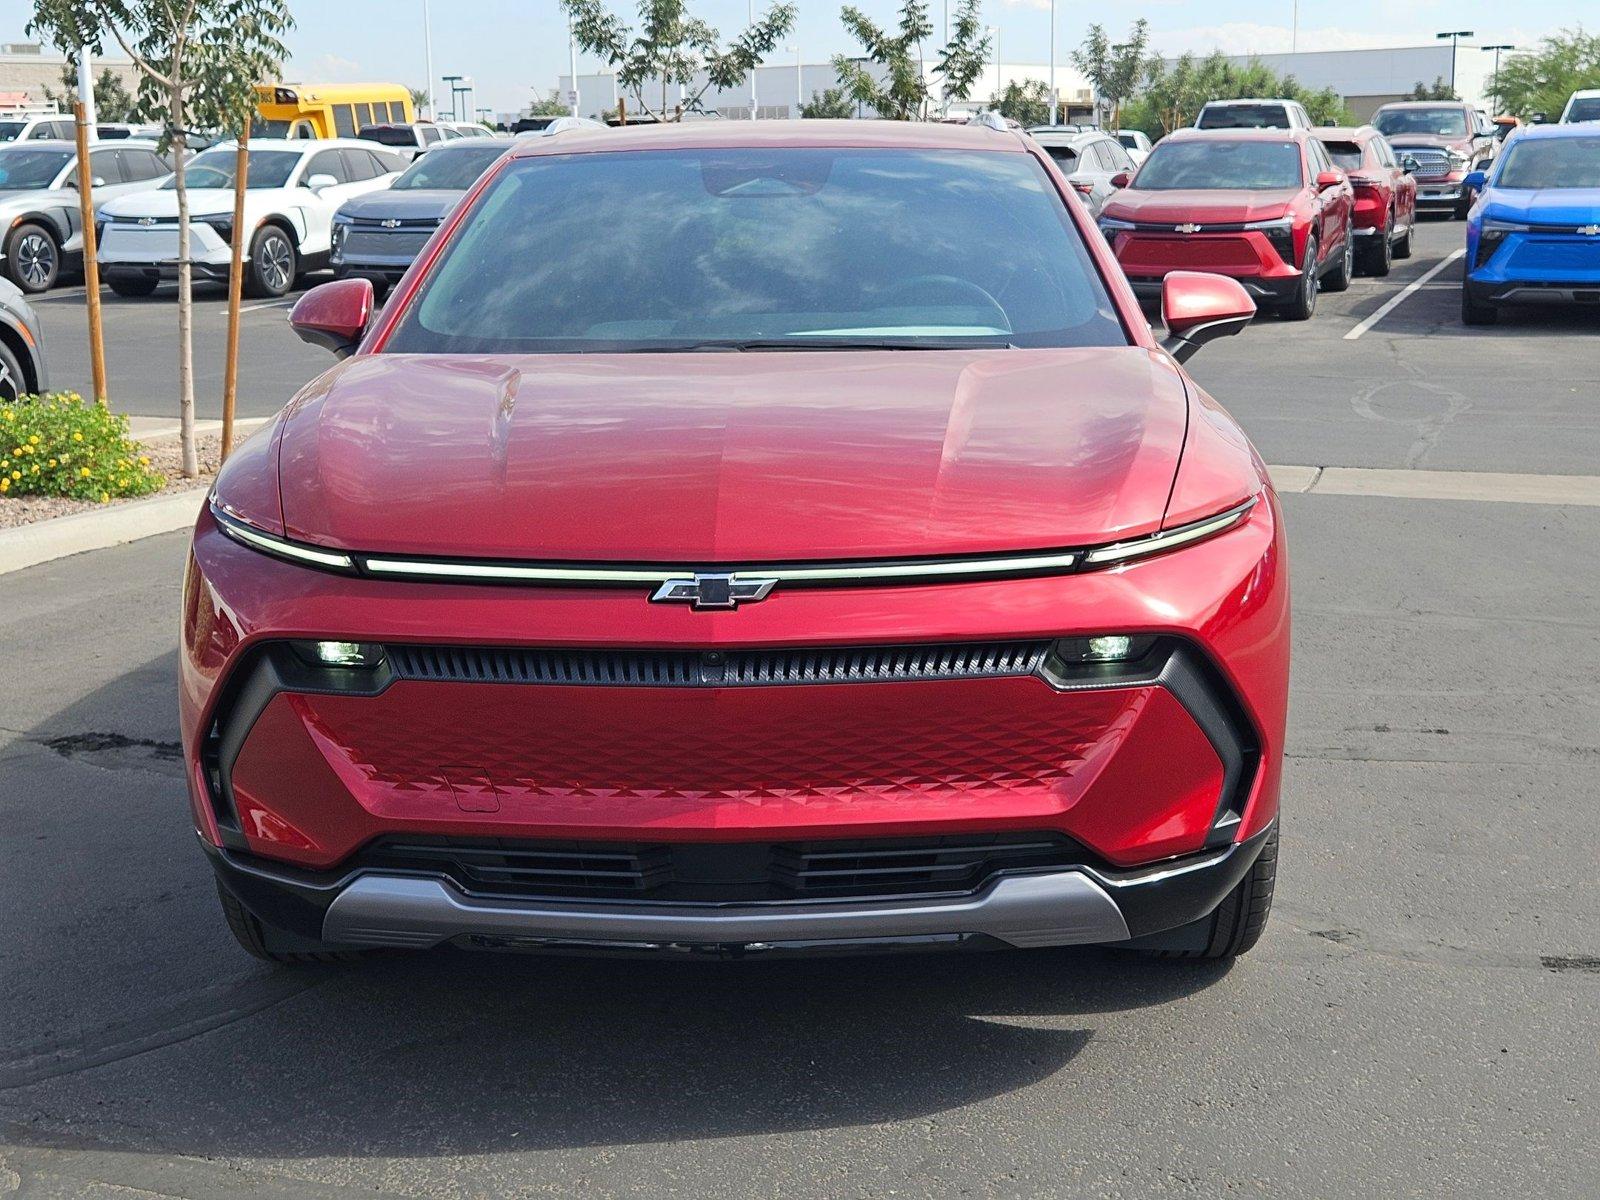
1056 909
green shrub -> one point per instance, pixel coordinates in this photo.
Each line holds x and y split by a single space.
60 445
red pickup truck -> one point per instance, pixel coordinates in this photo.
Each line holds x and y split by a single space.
1448 139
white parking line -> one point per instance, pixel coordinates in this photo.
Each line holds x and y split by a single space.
246 308
1409 290
1493 487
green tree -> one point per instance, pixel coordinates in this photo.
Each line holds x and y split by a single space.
198 64
111 100
1540 80
1437 90
831 103
1027 103
902 94
671 46
419 98
1171 97
551 105
1115 71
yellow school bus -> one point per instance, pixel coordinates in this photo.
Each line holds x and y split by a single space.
325 110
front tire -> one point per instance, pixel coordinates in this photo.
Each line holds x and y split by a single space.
132 285
33 259
1402 248
1241 918
1475 312
1304 303
1379 257
13 383
271 268
273 945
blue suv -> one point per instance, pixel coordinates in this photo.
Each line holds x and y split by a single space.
1534 234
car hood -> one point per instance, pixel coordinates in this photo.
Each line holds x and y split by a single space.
203 202
1429 141
403 206
725 458
1221 206
1544 206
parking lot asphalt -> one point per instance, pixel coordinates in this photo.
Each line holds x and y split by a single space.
1418 1019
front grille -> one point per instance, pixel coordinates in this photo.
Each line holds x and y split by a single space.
716 668
1431 163
1191 251
359 241
722 872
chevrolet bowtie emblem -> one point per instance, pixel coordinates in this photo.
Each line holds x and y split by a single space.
147 220
390 223
715 591
1589 230
1187 227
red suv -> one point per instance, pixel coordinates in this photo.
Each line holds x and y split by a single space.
1385 195
828 556
1267 207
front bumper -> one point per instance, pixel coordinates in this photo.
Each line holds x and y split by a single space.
1079 906
1148 255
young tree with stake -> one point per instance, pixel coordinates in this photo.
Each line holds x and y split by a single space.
198 63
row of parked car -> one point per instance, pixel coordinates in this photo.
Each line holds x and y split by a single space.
293 199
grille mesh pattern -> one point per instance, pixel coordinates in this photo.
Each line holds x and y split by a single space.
733 668
726 872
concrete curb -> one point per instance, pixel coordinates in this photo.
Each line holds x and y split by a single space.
44 541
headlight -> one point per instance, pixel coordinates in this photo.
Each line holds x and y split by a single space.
295 552
361 655
1280 233
1490 237
1457 159
221 224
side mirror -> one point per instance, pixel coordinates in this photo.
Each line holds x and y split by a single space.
1409 164
1121 179
1198 308
334 315
1476 180
1329 179
320 181
96 181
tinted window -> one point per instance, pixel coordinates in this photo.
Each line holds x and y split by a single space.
1206 163
389 161
1244 116
104 165
10 131
344 120
1128 140
260 128
1585 109
143 164
214 169
1347 155
453 170
1385 154
22 168
1065 156
327 162
359 165
389 135
363 114
1433 122
794 246
397 111
1568 162
430 134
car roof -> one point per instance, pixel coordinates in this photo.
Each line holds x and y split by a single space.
1577 129
72 147
1065 137
1189 133
1424 104
821 134
299 144
1250 100
1584 94
1345 133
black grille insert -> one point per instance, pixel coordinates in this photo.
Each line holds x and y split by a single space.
715 668
722 872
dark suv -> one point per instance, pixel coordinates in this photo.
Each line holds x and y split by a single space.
1448 139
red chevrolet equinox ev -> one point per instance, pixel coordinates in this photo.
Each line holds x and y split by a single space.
746 538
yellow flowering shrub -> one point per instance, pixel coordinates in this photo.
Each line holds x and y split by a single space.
60 445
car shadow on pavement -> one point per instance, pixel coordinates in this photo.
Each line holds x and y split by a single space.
156 1031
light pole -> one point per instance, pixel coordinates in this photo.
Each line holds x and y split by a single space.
753 68
427 55
799 82
1294 29
1053 110
994 32
572 65
1497 49
1455 35
453 80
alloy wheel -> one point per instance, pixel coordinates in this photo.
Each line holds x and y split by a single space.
275 261
36 260
10 385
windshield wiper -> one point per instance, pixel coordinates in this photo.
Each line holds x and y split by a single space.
825 343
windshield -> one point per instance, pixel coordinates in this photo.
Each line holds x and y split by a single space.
1210 163
260 127
1433 122
1586 108
1567 162
10 131
451 170
21 169
1243 116
763 249
1346 155
214 169
1065 157
1129 141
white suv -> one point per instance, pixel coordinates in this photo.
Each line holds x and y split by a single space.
1253 114
36 127
293 190
1582 106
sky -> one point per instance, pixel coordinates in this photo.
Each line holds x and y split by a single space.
512 48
